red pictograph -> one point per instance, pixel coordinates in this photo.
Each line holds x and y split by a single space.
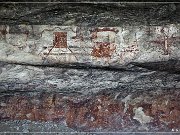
60 40
102 49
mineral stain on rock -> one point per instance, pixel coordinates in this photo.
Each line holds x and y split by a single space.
103 112
90 66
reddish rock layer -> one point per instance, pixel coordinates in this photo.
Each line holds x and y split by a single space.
103 111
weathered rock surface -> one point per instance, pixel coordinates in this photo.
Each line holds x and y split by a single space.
106 111
85 81
91 46
90 14
129 99
96 67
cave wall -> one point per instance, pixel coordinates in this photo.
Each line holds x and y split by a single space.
97 46
89 66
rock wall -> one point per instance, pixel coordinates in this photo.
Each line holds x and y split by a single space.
95 67
105 112
96 46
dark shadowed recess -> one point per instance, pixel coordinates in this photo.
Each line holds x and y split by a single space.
170 66
89 13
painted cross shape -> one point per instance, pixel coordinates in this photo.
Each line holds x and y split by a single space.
166 36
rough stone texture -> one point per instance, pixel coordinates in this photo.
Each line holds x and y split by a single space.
91 46
95 67
22 78
98 100
90 14
106 111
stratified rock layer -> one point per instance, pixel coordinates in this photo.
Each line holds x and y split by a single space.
102 67
147 111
